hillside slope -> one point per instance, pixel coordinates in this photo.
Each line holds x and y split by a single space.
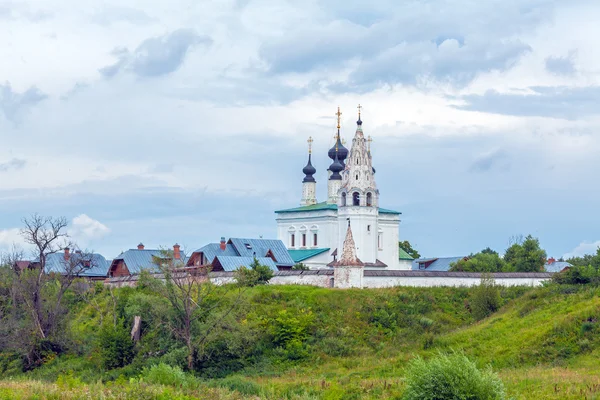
305 342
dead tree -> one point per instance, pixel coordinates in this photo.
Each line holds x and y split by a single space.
47 236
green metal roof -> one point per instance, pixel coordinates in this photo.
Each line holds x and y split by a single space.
403 255
327 206
315 207
301 255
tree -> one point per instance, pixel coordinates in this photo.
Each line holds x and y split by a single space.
37 293
257 274
300 267
194 300
407 247
527 256
586 260
480 262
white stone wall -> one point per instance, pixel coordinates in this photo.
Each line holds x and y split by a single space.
319 261
383 282
364 229
345 277
325 222
388 251
309 193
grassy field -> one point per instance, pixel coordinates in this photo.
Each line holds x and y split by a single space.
544 343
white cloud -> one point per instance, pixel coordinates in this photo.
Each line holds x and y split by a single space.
583 248
85 228
10 237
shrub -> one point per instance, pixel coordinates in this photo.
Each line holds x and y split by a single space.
486 299
450 376
577 276
163 374
257 274
115 345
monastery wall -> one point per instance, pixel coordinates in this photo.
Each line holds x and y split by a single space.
373 278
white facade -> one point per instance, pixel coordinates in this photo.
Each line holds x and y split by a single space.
352 196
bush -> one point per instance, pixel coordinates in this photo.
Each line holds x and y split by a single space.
577 276
257 274
163 374
115 345
486 299
450 376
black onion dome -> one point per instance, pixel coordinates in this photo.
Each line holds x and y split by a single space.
342 152
309 171
359 122
335 169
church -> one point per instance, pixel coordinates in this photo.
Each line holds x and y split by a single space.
314 233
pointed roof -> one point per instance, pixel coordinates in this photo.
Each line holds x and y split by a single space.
349 257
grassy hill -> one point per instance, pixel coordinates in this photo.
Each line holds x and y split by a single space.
303 342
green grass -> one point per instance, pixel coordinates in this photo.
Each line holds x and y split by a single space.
544 343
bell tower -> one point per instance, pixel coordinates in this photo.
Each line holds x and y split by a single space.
358 198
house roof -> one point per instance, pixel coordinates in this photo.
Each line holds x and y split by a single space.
260 248
305 254
138 260
212 250
557 266
437 264
327 206
56 263
403 255
232 263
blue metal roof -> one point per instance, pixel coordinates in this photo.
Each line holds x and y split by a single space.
138 260
98 265
212 250
440 264
260 248
230 263
557 266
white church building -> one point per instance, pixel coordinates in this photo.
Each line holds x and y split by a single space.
314 233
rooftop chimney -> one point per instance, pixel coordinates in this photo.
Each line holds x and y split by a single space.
67 253
141 246
551 260
176 252
223 243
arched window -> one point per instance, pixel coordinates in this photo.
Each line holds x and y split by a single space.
304 240
292 240
315 239
356 176
357 161
355 199
343 199
331 282
369 199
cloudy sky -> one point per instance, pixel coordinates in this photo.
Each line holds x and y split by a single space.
184 121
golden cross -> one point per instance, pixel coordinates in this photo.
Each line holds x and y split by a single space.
359 108
369 140
310 141
339 114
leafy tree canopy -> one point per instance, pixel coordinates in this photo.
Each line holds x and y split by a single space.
407 247
586 260
527 256
257 274
480 262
